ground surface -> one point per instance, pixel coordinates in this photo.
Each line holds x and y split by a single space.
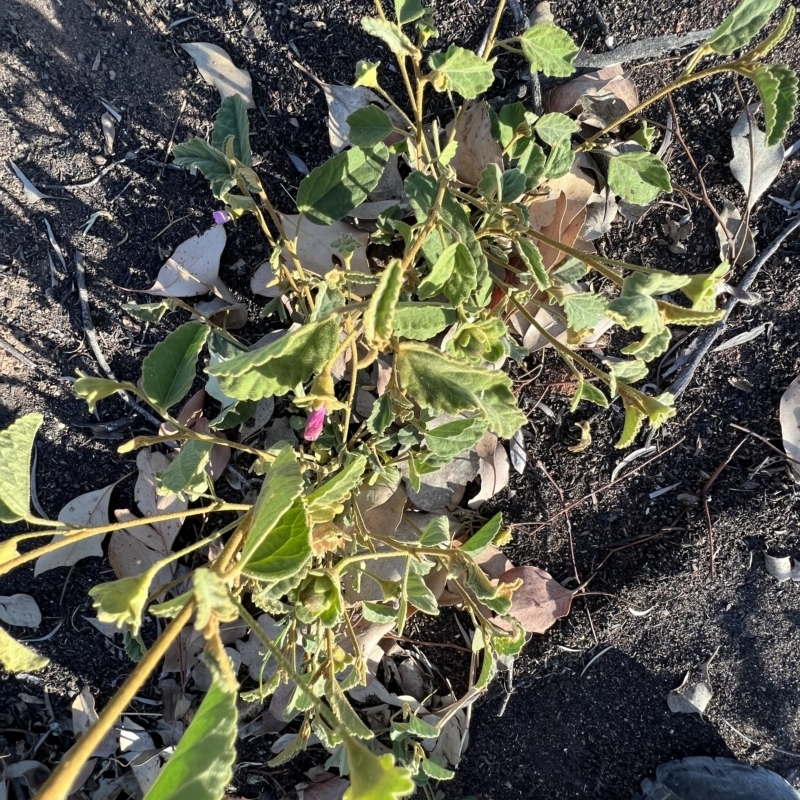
563 734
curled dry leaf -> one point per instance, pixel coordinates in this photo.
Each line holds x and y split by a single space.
753 158
84 716
781 568
493 469
540 601
109 131
217 69
476 147
30 192
734 231
569 96
87 510
194 266
692 698
21 610
790 425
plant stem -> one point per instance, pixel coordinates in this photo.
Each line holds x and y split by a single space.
73 535
60 783
487 51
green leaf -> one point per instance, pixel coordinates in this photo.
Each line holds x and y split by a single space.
436 532
702 289
554 127
187 472
420 596
408 10
93 389
584 309
589 392
638 177
16 446
775 38
392 36
510 120
367 74
460 70
369 126
512 185
489 183
741 25
378 612
344 712
328 501
656 282
532 161
422 321
571 271
651 346
275 370
171 366
199 154
633 422
285 550
550 50
626 371
15 657
202 765
319 598
433 769
422 190
444 384
559 160
121 603
482 538
644 135
638 311
454 273
213 599
147 312
414 727
452 438
334 189
232 121
678 315
375 777
379 315
532 258
382 415
777 86
283 484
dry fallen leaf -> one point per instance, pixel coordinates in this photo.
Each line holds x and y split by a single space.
692 698
194 266
753 158
30 192
216 67
678 232
445 486
735 231
781 568
84 716
109 131
141 753
609 80
493 469
87 510
540 601
20 610
342 102
325 787
517 451
253 654
790 424
314 249
476 147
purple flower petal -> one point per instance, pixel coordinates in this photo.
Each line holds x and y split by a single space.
221 217
314 424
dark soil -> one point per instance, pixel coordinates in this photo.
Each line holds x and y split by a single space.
565 733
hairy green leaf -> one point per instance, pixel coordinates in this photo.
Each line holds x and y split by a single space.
776 37
414 727
636 311
187 472
408 10
532 161
650 283
170 368
651 346
678 315
777 86
379 315
422 321
285 550
375 777
633 422
213 599
367 74
638 177
554 127
93 389
274 370
571 271
626 371
392 36
328 501
202 765
232 121
559 160
283 484
369 126
382 415
532 258
420 596
147 312
436 532
482 538
335 188
344 712
378 612
741 25
454 274
584 309
121 602
16 446
550 50
199 154
587 391
489 183
452 438
460 70
510 120
15 657
444 384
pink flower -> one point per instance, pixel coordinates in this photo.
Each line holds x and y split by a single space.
314 424
221 217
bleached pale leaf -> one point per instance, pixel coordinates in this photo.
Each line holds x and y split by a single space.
194 266
476 147
493 469
764 162
88 510
31 193
734 232
790 425
109 131
782 568
516 449
216 67
692 697
84 716
342 102
21 610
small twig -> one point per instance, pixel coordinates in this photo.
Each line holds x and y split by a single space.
419 643
766 441
167 227
509 689
758 744
34 493
12 351
88 185
682 381
171 138
558 489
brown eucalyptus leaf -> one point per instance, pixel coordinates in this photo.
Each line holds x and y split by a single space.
753 158
602 109
194 266
476 147
20 610
217 69
790 425
493 469
540 601
135 549
567 96
87 510
735 230
151 503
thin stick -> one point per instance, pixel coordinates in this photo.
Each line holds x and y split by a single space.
549 477
86 316
765 441
172 138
